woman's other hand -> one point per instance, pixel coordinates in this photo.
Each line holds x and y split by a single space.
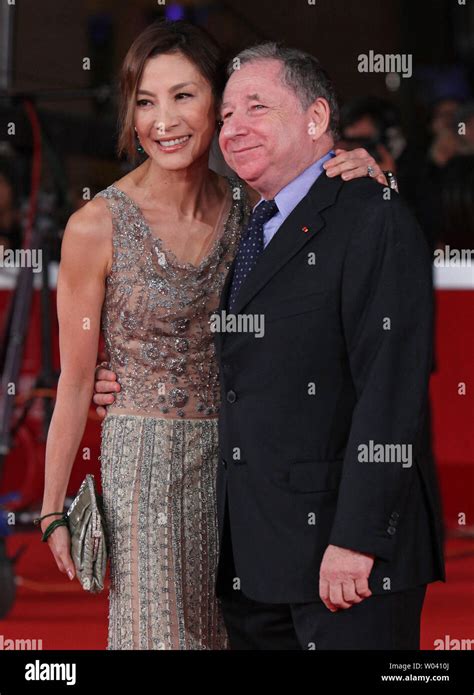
59 542
354 164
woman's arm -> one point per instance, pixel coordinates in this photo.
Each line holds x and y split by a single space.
86 255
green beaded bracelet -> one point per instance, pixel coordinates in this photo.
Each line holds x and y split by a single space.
38 521
53 525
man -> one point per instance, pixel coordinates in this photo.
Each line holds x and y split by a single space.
327 503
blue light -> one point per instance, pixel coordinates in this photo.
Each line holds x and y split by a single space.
174 12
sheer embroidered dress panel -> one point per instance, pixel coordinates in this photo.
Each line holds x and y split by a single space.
157 309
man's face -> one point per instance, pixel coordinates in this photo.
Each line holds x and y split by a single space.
266 135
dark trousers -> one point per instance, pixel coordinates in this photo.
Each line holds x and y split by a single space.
388 621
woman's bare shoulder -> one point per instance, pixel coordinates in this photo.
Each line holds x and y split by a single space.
91 221
88 236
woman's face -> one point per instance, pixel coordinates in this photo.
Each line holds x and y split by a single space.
175 116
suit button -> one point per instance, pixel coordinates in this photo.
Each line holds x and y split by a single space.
231 396
394 516
224 463
391 530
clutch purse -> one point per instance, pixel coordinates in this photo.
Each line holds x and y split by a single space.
87 529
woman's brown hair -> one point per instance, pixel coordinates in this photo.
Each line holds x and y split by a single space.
159 38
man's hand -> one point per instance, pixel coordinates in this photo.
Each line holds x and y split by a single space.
106 385
353 164
343 577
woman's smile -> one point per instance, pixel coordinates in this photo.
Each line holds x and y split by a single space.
173 144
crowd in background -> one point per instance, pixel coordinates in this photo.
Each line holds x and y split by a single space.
436 180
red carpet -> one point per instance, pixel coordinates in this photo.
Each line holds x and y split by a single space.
51 608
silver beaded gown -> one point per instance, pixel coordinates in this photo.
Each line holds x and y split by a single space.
159 448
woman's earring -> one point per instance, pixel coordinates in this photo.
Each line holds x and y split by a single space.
139 145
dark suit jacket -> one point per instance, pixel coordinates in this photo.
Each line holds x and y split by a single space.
345 290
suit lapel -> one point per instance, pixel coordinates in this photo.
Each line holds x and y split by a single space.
299 227
219 337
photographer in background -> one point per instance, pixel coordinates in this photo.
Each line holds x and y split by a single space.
375 124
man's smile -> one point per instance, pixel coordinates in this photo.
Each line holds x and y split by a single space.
245 149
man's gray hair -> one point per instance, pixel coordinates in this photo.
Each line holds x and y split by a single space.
301 72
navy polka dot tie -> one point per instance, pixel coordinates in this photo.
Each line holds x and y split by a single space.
250 247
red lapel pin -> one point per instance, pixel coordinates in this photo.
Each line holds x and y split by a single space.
305 229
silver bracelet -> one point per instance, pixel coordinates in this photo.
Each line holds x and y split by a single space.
392 180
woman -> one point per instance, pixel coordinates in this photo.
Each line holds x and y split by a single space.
163 238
